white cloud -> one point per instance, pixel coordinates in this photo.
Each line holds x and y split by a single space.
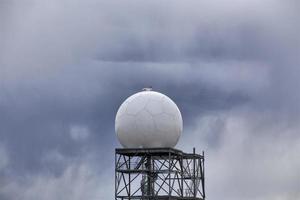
81 179
4 159
254 157
79 132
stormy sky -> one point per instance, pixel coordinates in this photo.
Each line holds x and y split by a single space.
232 67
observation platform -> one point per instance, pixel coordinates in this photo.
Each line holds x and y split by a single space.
156 151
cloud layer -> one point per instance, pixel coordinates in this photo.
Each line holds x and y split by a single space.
231 66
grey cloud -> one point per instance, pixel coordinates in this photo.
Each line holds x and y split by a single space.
79 179
247 155
231 66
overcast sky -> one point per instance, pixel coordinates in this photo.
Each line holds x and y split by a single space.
232 67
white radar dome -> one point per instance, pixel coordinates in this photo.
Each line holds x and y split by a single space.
148 119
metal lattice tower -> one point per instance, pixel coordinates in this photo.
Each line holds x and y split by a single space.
158 174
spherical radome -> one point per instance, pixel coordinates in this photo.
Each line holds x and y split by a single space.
148 119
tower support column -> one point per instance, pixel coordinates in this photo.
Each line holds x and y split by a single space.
158 174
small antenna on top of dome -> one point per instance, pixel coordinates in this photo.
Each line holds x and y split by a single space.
147 88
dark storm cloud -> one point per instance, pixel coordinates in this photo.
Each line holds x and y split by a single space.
46 109
231 66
